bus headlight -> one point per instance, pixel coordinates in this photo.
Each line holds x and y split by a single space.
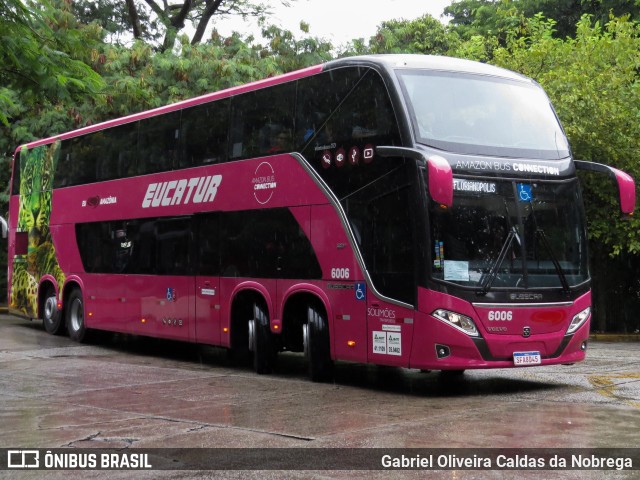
579 319
457 320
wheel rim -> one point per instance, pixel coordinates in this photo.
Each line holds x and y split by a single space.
77 315
50 308
252 335
305 339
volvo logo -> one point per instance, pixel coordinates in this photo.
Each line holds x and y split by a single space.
172 322
526 332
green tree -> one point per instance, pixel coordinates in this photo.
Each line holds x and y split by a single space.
497 17
119 23
37 58
484 18
173 16
423 35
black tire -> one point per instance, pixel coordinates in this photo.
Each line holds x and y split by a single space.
317 346
261 341
52 317
74 316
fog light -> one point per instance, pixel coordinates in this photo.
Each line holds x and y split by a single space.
442 351
457 320
583 347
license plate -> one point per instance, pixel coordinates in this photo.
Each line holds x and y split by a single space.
526 358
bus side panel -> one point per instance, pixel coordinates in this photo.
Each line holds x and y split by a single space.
344 280
64 241
207 310
164 305
269 182
390 330
106 304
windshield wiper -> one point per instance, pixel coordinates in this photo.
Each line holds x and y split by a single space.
545 242
488 278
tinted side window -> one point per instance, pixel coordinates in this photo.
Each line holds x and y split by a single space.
96 247
208 252
158 143
103 155
118 149
173 238
205 133
77 163
313 109
262 122
380 217
146 246
265 244
343 149
141 258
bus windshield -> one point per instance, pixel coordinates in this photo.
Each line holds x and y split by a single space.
483 115
507 234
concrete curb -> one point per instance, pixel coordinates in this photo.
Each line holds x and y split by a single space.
615 337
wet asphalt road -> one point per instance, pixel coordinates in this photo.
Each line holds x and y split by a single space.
123 391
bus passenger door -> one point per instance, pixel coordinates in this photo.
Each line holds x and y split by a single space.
207 295
389 250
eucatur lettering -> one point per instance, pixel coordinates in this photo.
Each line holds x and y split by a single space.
182 192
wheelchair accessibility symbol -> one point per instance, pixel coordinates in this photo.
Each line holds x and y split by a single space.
360 291
524 192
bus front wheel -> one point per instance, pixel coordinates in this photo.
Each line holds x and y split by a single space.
74 313
316 346
261 342
51 316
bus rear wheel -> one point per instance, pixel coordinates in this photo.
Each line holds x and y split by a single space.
74 313
51 316
261 341
316 345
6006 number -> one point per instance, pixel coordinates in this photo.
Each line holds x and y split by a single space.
340 273
500 315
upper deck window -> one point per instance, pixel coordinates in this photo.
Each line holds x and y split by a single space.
482 115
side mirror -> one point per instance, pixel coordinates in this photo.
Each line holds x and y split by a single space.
438 170
440 180
626 185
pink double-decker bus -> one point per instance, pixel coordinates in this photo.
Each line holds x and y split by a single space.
412 211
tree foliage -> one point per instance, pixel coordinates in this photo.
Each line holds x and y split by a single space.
497 17
118 20
172 17
37 57
422 35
